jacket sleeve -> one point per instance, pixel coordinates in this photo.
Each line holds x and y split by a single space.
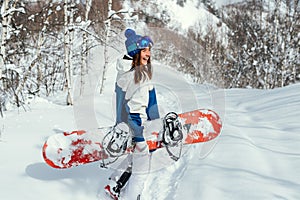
123 115
120 100
152 109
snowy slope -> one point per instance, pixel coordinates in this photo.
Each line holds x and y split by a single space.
190 16
257 155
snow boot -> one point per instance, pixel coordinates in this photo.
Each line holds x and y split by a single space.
112 191
114 188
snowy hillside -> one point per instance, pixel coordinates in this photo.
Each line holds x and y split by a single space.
182 16
256 157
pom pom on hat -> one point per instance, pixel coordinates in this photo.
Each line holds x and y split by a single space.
129 33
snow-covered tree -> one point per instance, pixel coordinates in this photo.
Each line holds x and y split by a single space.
113 24
263 44
85 47
69 6
211 6
9 76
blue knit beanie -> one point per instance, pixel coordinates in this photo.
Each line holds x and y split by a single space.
131 42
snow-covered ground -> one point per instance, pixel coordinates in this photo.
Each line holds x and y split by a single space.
257 155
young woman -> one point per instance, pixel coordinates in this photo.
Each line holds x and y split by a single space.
136 104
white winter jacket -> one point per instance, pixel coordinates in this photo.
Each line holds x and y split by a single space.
135 103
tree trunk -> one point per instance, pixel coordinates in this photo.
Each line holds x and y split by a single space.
84 46
67 53
107 31
4 13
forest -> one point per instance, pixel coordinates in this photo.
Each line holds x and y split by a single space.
44 44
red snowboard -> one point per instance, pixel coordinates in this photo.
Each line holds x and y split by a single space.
68 150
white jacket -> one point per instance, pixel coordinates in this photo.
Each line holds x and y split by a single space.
135 103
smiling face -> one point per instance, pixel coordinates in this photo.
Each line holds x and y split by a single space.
145 55
141 64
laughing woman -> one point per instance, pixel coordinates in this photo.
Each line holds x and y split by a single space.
135 105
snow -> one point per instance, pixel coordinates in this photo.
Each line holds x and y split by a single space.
256 157
220 3
186 16
191 16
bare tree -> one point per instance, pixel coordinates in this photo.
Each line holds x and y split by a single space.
112 16
85 47
8 75
8 8
68 39
4 13
106 41
263 44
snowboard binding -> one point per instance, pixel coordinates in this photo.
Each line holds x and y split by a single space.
116 142
172 132
172 135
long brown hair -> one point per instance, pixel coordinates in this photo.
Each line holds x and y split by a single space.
141 72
